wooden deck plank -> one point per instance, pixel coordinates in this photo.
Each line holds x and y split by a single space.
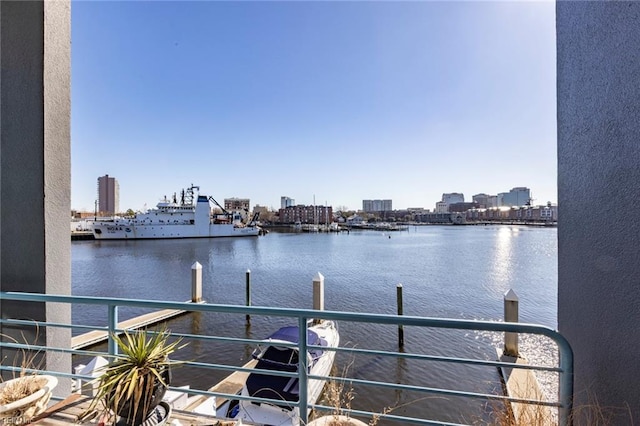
93 337
231 384
67 411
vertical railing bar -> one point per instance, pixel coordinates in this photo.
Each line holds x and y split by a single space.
113 324
565 393
303 371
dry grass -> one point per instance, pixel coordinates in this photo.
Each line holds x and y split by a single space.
590 414
17 390
26 366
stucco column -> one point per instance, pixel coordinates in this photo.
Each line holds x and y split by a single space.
598 51
35 48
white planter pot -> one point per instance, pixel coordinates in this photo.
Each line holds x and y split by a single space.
23 410
334 420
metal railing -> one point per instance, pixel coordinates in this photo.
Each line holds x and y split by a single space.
564 370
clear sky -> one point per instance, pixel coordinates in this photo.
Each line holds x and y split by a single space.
343 101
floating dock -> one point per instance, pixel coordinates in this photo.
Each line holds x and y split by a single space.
97 336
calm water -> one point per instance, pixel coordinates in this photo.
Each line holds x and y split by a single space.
449 272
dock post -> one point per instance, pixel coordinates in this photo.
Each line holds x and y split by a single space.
196 283
400 312
248 291
511 315
318 292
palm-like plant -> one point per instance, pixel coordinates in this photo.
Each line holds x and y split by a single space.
135 381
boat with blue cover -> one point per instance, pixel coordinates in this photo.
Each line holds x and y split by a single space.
272 356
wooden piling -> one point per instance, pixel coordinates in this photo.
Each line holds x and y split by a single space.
400 312
511 315
196 282
248 293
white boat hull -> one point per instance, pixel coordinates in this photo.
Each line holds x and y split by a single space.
268 414
115 231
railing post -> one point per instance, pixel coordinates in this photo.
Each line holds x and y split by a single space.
196 282
511 315
566 382
400 312
303 370
248 291
113 324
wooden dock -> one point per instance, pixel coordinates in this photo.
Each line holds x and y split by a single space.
66 412
97 336
231 384
520 383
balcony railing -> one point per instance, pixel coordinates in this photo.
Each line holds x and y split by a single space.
564 369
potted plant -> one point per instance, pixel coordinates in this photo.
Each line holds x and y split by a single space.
137 378
24 397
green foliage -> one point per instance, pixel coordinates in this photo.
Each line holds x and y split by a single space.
130 377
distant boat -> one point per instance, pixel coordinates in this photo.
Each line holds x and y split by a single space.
190 218
271 356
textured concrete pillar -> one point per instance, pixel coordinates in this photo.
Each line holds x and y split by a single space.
598 51
35 47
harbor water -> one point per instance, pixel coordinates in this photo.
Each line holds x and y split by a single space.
445 271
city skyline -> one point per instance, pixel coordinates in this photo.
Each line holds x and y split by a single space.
290 201
341 101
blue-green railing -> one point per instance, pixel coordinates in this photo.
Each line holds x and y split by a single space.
564 369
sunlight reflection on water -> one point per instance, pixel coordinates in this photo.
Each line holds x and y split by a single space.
448 272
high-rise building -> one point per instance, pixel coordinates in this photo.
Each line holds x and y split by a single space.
371 206
286 202
517 197
453 197
481 199
108 195
447 199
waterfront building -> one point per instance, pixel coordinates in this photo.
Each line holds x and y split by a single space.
238 204
108 195
286 202
442 207
436 217
462 207
306 214
374 206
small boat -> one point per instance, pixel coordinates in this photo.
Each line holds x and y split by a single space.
271 356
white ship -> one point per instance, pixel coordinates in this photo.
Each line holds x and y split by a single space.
192 217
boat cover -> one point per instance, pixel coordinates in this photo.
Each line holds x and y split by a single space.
291 334
281 359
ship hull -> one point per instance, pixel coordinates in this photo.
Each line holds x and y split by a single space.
115 231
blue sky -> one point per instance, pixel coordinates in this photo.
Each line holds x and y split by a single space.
343 101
